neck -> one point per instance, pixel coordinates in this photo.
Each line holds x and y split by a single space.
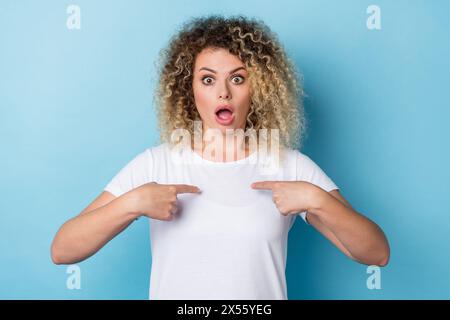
223 147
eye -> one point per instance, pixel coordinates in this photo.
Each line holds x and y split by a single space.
239 78
207 80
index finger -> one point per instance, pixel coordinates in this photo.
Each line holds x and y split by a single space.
263 185
186 188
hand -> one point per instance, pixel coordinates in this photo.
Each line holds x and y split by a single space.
290 197
159 201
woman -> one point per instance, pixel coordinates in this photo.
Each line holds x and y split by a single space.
219 218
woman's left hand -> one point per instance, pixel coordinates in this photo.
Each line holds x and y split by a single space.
290 197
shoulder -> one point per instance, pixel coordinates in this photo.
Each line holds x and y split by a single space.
296 155
303 164
293 157
300 158
157 151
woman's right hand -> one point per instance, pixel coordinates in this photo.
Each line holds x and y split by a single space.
158 201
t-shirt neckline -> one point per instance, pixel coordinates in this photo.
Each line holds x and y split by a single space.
246 160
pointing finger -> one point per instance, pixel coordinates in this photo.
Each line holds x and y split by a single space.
263 185
186 188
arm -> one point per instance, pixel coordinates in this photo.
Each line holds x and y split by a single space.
107 216
355 235
82 236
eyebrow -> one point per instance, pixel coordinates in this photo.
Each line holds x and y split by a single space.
211 70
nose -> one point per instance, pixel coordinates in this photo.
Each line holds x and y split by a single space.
224 92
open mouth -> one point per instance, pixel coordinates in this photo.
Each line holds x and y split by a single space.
224 115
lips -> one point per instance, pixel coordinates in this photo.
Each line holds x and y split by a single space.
224 107
224 114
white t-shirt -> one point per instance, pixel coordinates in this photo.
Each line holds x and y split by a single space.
229 241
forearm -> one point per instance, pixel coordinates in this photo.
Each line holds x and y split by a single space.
84 235
363 238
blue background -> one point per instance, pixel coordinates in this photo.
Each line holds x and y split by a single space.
76 106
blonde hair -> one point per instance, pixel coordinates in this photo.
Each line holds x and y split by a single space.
276 91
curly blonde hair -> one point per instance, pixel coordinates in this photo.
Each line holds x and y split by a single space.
276 91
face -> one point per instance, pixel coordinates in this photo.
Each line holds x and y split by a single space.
220 81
